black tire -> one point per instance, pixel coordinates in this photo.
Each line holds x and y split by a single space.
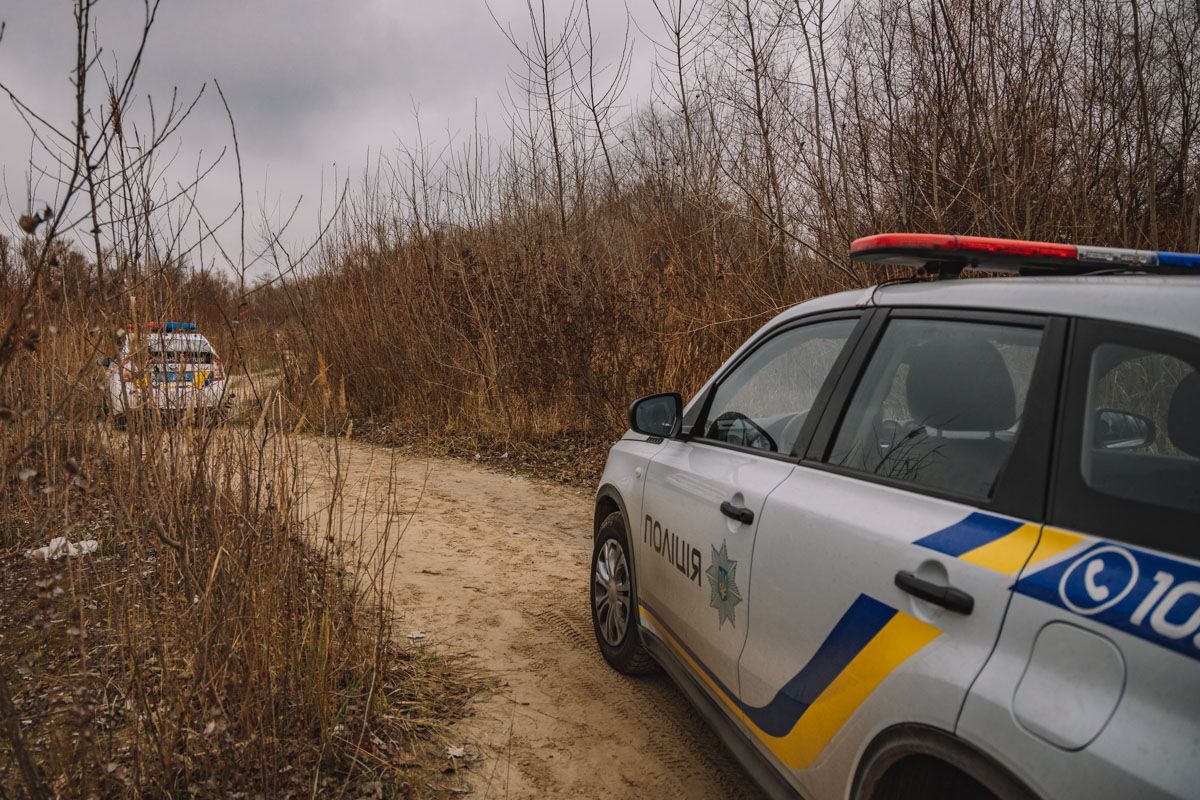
626 654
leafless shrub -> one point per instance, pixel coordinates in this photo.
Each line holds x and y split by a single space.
477 291
215 642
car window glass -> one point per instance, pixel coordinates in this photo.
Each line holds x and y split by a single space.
940 404
764 402
1142 427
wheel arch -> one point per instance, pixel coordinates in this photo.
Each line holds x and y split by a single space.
608 500
901 744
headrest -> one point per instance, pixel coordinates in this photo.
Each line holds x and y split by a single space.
960 383
1183 416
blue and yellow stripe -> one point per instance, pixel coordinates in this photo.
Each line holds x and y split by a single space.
1000 544
870 641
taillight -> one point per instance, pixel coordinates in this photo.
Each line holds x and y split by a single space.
218 373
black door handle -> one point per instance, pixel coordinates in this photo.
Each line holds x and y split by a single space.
740 513
945 596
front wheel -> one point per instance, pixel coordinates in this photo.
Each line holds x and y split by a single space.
614 602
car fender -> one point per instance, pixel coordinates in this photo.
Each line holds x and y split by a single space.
898 742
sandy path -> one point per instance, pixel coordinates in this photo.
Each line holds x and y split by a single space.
495 565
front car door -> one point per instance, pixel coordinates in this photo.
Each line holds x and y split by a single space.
882 563
1095 687
704 493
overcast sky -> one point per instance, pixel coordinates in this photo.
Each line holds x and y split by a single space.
314 85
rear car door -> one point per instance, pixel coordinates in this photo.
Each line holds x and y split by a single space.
882 563
1095 687
705 491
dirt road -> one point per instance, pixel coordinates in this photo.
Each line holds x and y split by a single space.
495 566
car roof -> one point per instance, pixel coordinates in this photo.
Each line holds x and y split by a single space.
1165 302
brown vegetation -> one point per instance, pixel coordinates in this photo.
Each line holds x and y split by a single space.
513 288
215 643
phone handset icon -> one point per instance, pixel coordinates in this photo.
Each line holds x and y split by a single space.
1097 592
1098 579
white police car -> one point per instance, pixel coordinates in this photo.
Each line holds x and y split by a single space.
168 367
938 539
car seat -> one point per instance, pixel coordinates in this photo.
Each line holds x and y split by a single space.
961 396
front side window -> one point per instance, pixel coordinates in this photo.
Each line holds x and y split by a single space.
764 402
939 405
1141 437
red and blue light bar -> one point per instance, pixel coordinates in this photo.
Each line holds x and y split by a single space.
954 253
168 327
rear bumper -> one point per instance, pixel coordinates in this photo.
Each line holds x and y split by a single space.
179 399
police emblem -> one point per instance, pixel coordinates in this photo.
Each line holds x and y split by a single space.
722 580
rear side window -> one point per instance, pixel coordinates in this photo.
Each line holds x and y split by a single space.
1142 427
1130 463
939 405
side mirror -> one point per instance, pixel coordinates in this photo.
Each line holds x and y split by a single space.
657 414
1121 430
104 361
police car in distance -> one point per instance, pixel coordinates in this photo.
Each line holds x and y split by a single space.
937 539
169 367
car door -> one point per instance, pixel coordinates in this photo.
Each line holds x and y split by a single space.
882 563
704 492
1095 687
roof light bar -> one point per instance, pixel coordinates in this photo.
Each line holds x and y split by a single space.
954 253
168 327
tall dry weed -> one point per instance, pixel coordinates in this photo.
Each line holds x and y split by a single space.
534 283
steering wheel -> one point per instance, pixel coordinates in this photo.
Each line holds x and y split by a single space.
759 431
791 431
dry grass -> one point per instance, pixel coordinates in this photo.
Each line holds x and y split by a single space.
517 288
213 644
217 643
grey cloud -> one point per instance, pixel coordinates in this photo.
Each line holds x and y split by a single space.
311 82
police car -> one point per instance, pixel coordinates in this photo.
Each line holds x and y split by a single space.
169 367
933 538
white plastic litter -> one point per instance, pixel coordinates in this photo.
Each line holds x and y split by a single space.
455 752
59 546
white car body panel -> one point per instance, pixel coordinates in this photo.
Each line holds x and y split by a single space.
826 556
1145 744
685 484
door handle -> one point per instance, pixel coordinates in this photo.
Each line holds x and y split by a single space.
740 513
956 600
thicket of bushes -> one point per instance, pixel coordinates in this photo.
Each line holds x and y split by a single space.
214 644
538 281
